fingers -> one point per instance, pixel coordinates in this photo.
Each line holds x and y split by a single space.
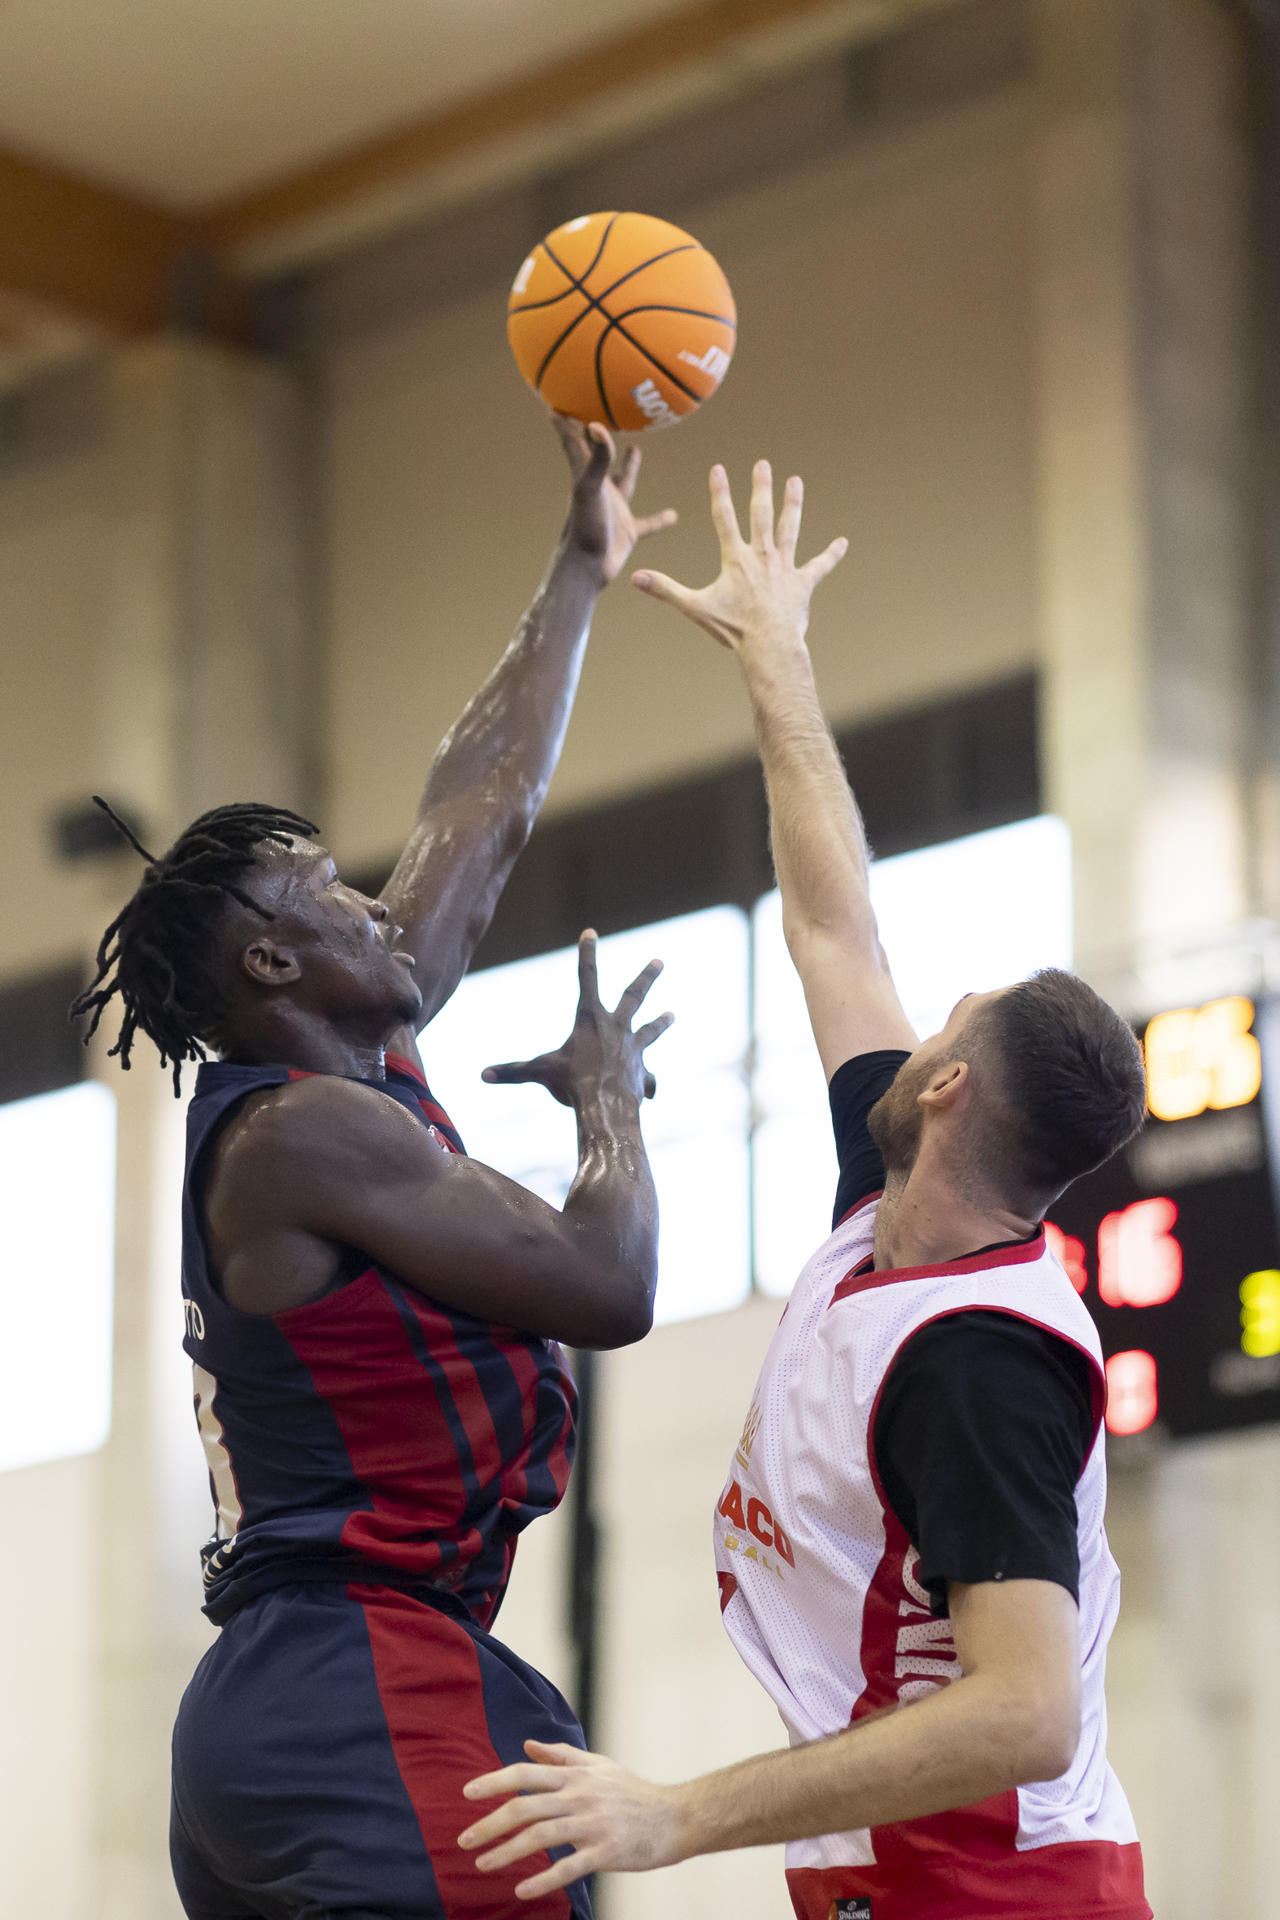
559 1753
600 455
588 972
573 439
655 522
589 450
662 587
536 1819
573 1867
762 506
645 1036
823 563
625 478
635 993
723 516
522 1776
524 1823
512 1072
507 1828
533 1839
789 519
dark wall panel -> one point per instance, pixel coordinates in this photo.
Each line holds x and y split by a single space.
39 1049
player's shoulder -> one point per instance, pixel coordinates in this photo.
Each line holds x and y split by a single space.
316 1125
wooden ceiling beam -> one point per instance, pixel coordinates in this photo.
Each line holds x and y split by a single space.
118 265
705 30
86 251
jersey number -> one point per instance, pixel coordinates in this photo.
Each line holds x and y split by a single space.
221 1472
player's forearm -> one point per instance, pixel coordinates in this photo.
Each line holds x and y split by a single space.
965 1742
819 847
613 1198
506 743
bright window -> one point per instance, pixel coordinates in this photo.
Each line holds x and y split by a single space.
697 1130
957 918
739 1135
57 1200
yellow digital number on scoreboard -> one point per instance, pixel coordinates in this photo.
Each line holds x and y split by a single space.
1202 1057
1260 1313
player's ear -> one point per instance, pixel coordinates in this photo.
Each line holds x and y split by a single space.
269 964
947 1088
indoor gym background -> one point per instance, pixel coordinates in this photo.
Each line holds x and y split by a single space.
272 495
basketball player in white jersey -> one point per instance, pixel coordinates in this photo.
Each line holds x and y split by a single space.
910 1539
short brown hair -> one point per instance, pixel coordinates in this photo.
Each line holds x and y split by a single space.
1070 1072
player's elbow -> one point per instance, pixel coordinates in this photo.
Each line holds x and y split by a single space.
1051 1754
628 1314
844 940
603 1290
1045 1730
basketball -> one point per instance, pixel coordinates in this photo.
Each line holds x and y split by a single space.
622 318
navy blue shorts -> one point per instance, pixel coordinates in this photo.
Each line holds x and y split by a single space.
319 1757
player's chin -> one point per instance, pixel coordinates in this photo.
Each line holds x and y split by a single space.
408 999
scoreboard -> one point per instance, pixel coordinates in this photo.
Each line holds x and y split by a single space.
1175 1244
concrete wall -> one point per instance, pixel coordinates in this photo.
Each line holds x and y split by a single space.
55 566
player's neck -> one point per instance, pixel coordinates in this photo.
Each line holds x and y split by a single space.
924 1220
312 1044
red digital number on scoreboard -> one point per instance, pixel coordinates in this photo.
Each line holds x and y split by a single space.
1139 1264
1133 1398
1139 1259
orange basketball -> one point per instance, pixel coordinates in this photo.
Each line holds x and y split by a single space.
622 318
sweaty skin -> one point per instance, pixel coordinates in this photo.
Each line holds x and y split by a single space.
307 1171
304 1174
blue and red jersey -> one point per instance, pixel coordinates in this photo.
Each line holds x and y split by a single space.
370 1435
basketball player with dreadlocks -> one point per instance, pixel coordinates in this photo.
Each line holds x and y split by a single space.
372 1316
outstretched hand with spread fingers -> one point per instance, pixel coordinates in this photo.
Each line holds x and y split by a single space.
602 1048
759 587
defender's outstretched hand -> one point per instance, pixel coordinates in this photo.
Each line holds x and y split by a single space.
614 1821
602 1047
601 524
760 584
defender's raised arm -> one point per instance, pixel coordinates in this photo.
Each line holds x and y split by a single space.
759 609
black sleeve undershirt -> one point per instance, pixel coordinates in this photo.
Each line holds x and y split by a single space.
855 1088
984 1426
985 1421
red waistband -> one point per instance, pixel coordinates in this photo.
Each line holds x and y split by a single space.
1076 1880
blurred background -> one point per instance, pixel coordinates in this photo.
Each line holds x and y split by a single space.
272 497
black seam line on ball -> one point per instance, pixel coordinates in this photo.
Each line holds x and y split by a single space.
661 365
616 326
532 306
664 306
604 398
641 350
595 300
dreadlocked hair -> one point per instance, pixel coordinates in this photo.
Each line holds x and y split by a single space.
156 954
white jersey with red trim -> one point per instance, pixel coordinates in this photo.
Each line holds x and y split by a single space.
820 1594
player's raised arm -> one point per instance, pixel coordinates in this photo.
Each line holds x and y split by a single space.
327 1163
759 609
491 773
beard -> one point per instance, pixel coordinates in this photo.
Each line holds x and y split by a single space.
896 1120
